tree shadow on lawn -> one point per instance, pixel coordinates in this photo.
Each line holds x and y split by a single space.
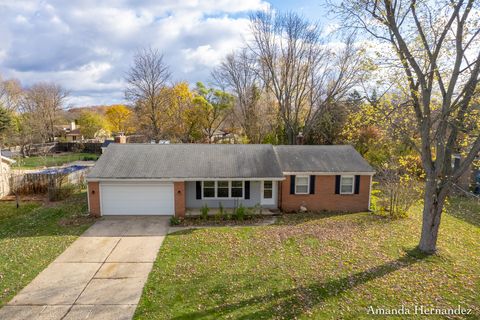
297 301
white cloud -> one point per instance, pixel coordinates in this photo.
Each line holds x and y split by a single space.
87 46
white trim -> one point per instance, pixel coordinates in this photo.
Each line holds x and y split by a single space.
263 189
216 197
268 201
214 191
353 184
179 179
308 184
313 173
88 198
370 193
11 161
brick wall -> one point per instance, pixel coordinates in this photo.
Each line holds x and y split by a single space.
179 190
94 199
324 197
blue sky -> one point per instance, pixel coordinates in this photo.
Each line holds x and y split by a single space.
88 45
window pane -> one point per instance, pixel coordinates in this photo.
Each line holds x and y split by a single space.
210 184
302 189
237 192
208 192
222 192
267 184
222 184
237 184
302 180
347 189
267 193
347 180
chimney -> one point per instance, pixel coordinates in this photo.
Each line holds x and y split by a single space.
73 125
300 138
121 139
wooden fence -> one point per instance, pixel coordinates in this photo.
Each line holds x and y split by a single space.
41 183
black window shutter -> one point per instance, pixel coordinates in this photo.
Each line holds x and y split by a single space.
337 184
247 189
292 184
456 163
199 189
312 184
357 184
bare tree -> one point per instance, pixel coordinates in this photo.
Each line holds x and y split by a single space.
43 103
238 73
146 79
10 94
338 71
437 46
287 49
302 73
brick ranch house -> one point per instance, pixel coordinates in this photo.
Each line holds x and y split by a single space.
152 179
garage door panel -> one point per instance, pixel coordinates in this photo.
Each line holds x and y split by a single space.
137 199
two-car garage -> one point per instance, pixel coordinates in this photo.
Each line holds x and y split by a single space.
137 198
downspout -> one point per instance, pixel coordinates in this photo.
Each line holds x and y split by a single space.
370 193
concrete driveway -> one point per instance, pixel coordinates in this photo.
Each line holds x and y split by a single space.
100 276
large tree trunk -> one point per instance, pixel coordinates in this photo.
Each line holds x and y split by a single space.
290 135
432 213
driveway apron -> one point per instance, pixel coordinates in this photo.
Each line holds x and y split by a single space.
100 276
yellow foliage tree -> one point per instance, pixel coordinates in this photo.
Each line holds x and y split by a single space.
181 119
120 119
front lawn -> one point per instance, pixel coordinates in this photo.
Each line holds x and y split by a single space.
52 160
316 266
33 236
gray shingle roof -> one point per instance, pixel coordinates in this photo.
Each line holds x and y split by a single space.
194 161
189 161
325 159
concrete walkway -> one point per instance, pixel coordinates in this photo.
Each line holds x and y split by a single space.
100 276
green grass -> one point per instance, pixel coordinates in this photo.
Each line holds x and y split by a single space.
316 266
51 160
33 236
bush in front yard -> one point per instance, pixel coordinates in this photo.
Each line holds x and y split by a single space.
174 221
240 212
204 211
221 212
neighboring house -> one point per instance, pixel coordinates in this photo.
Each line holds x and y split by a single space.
5 175
74 135
153 179
224 136
69 132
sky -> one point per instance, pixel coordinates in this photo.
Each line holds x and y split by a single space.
87 46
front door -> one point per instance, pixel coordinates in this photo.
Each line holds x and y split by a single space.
269 192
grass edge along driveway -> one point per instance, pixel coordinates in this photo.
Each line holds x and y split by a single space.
33 236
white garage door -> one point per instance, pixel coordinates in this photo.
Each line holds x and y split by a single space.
137 198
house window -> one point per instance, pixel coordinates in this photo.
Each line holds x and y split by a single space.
222 189
267 189
346 184
301 184
237 189
209 189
